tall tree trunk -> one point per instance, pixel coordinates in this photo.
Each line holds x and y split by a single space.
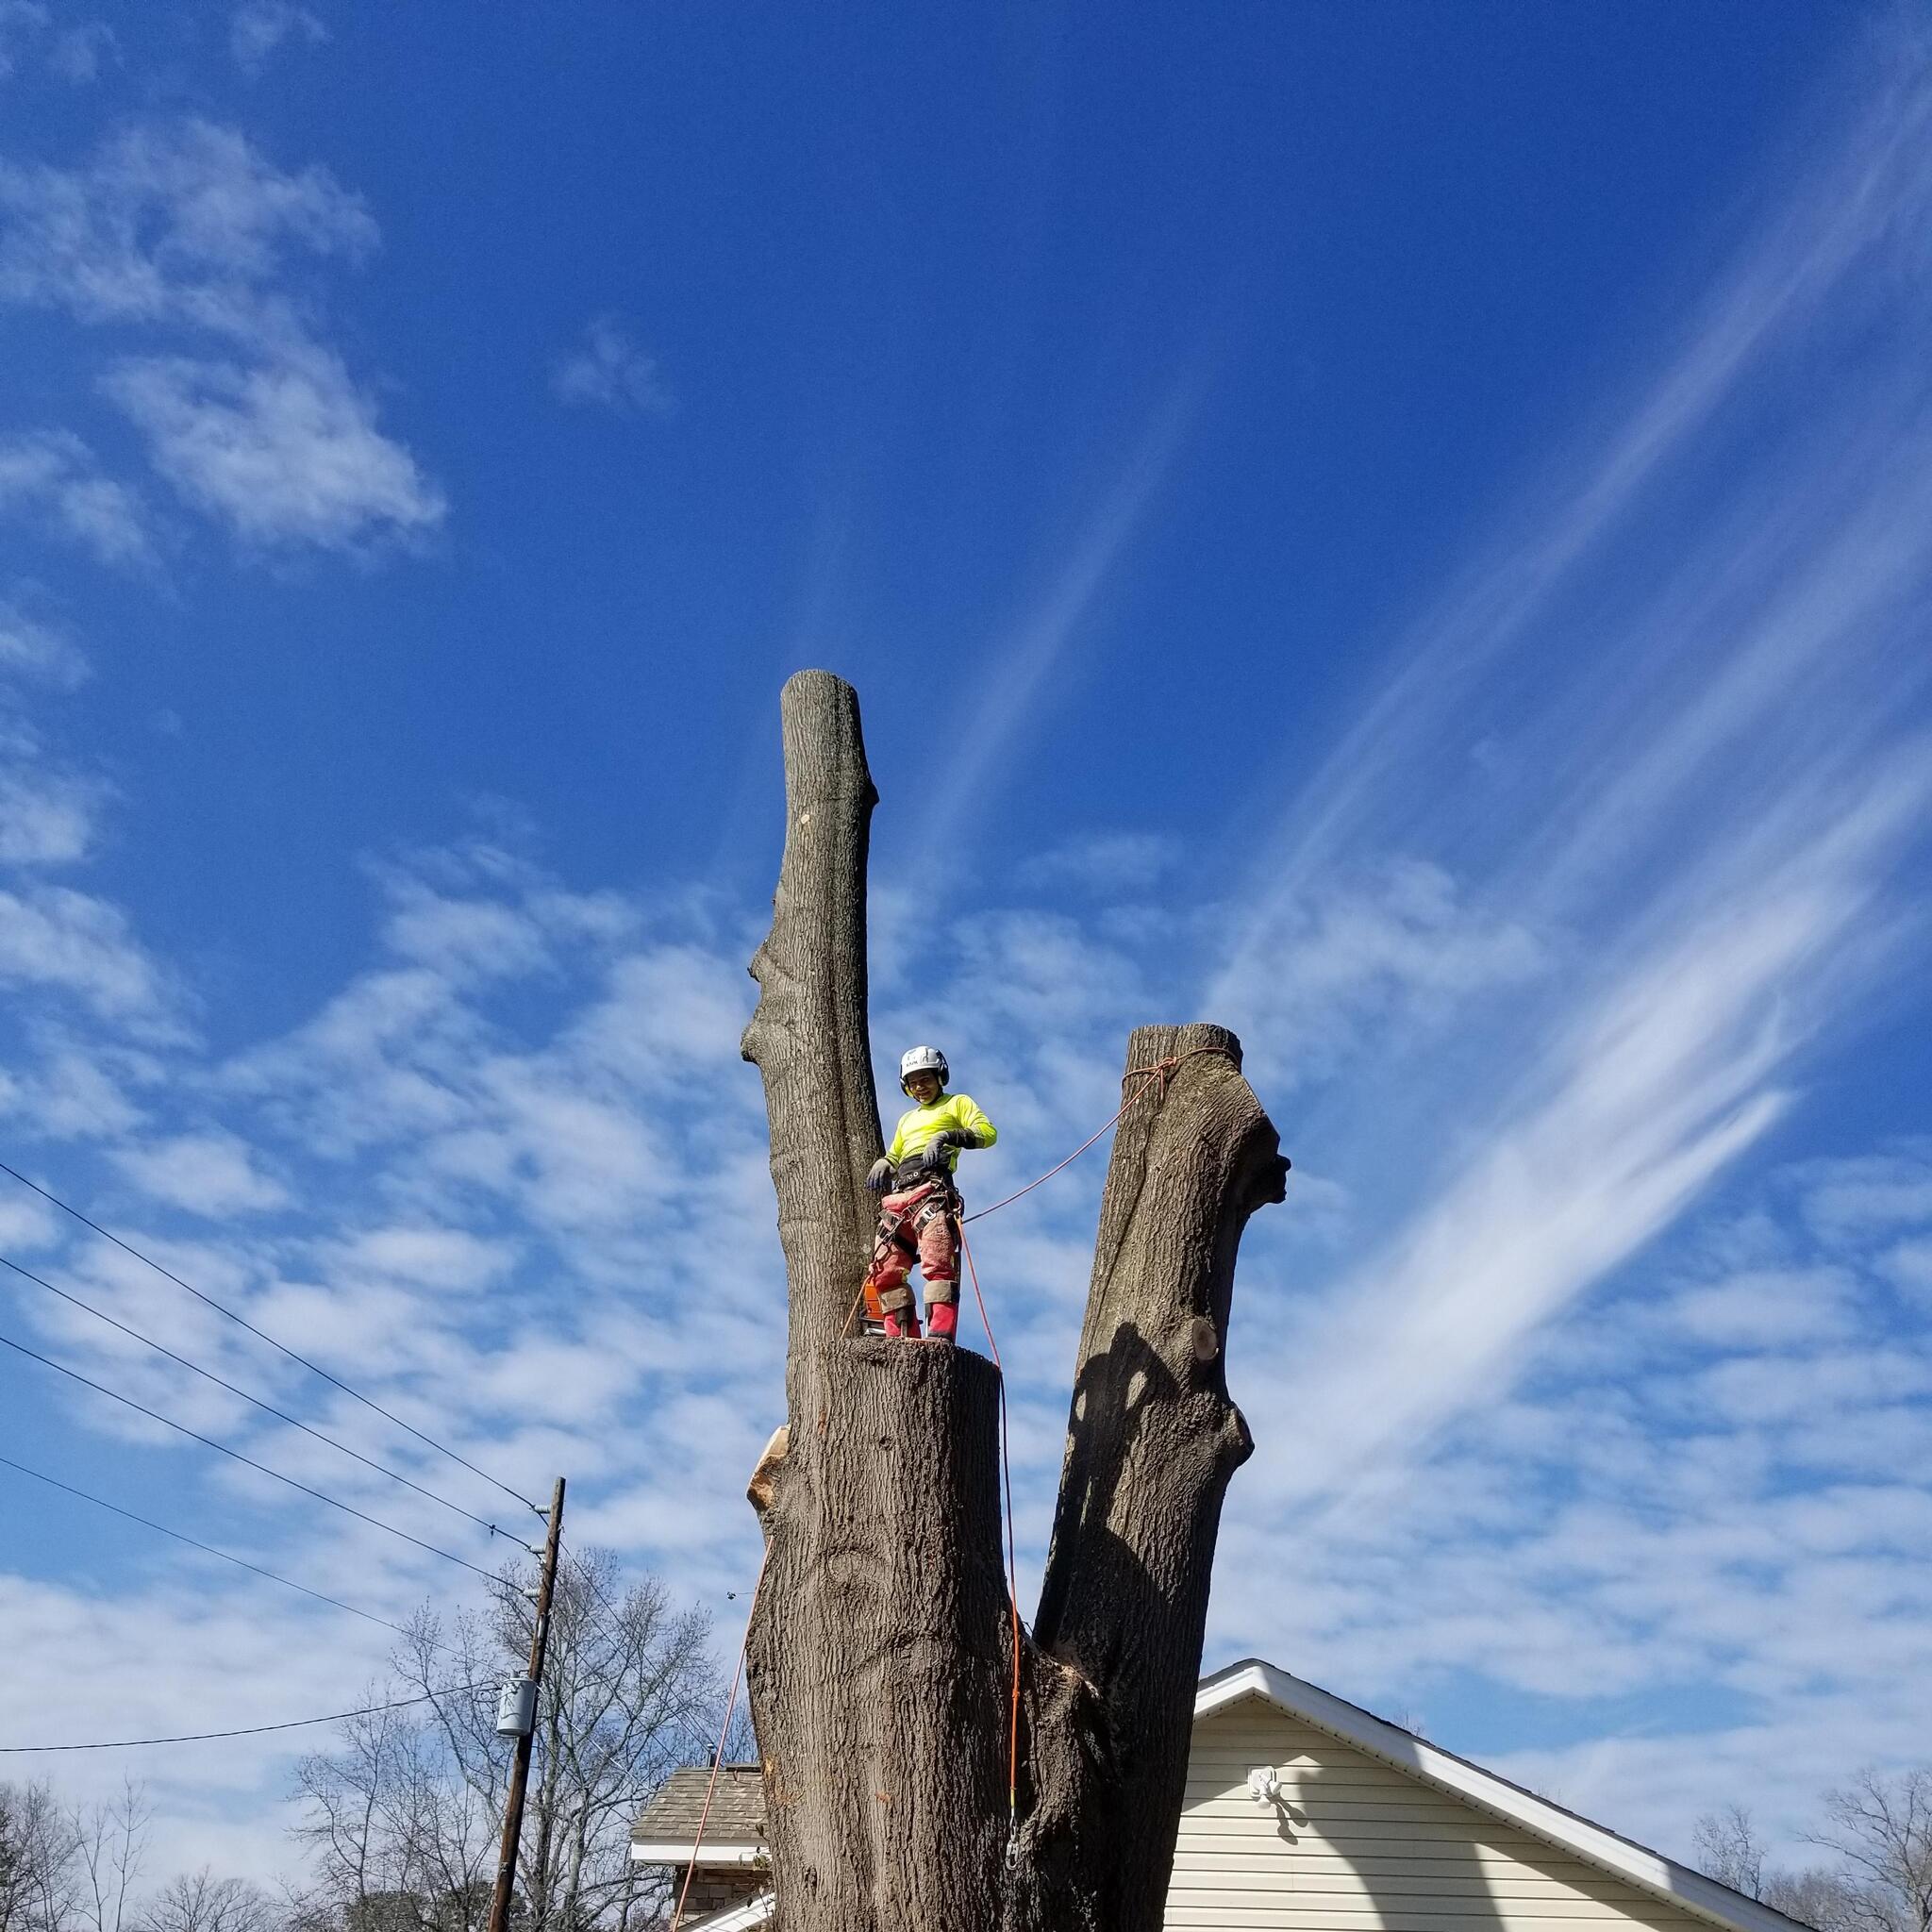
879 1654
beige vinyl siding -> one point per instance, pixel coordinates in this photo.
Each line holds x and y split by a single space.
1356 1845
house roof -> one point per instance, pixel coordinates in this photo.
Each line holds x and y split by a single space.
1642 1867
734 1830
734 1834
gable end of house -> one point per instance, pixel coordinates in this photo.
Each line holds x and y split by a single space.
1508 1804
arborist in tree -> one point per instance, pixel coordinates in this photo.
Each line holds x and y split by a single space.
918 1217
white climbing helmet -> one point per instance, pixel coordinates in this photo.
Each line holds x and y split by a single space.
922 1060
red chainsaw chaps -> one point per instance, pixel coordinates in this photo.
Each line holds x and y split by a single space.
937 1253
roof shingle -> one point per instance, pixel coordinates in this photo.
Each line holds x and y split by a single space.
738 1807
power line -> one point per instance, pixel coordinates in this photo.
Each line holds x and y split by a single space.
208 1549
266 1408
293 1724
223 1449
315 1369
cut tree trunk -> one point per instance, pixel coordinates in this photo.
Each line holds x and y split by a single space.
879 1657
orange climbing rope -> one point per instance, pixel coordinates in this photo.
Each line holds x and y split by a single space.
1163 1071
718 1756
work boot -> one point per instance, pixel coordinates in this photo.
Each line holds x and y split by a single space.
903 1324
943 1319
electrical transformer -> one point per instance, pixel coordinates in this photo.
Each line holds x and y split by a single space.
516 1707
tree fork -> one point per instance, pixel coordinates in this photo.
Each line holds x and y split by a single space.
879 1652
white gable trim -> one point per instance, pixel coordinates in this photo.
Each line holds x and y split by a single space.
714 1852
1497 1796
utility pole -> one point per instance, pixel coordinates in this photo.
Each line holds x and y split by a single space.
519 1768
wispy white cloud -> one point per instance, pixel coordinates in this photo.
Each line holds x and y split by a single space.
1671 870
1387 953
26 1224
467 936
1764 1307
1827 254
208 1173
1684 1497
257 31
32 647
1874 1195
283 453
74 53
45 819
49 815
436 1259
172 222
187 228
1910 1265
70 1094
1014 671
1652 1092
1106 864
52 476
56 939
610 371
1610 1116
21 21
225 1643
77 52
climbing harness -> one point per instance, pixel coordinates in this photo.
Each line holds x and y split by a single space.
718 1756
927 1195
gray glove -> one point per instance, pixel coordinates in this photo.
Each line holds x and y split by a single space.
881 1176
943 1142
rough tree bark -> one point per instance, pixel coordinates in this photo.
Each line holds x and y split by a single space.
879 1653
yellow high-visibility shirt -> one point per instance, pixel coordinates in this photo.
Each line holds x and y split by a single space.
919 1124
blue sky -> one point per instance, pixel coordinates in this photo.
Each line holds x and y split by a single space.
1403 530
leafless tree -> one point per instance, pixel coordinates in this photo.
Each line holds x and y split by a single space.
111 1842
397 1839
199 1902
404 1816
1729 1850
38 1860
74 1869
1881 1830
1813 1896
878 1656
